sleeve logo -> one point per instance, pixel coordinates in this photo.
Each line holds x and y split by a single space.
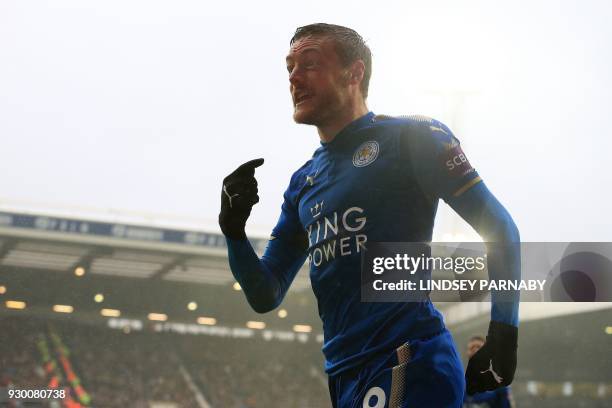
457 164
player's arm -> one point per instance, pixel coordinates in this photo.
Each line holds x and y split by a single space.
449 175
493 366
479 207
446 173
264 281
495 363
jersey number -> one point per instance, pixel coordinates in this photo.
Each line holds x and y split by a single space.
376 396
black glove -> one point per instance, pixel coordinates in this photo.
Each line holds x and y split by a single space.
238 196
493 366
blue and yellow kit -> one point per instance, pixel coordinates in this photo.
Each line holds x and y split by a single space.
379 180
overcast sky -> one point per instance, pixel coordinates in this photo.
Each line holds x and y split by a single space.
138 108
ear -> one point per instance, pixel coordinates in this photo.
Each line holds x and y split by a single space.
356 72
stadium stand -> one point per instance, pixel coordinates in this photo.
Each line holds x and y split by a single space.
213 356
141 369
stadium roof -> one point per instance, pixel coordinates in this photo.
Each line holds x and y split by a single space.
116 249
161 266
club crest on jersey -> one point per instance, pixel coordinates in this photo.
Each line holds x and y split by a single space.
366 153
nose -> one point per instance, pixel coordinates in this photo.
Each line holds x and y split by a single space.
295 77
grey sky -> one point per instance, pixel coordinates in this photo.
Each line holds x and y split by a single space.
144 107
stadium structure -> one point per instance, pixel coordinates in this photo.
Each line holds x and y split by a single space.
122 315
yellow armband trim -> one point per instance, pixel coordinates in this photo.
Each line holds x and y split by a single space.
467 186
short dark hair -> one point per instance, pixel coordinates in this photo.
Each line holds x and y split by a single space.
350 46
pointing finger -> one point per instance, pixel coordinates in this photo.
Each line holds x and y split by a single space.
248 168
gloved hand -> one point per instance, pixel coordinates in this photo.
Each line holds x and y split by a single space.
238 196
493 366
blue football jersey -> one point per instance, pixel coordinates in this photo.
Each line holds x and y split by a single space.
379 180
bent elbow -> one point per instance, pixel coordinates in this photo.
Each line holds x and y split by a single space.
264 303
262 308
511 232
502 230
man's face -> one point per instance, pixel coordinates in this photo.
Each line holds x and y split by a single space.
473 346
318 84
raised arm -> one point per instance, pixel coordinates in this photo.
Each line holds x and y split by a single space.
264 281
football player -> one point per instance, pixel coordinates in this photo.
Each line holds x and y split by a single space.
374 178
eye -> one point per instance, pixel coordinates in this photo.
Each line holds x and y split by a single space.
311 64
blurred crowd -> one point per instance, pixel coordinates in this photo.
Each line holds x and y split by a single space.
20 364
143 368
252 373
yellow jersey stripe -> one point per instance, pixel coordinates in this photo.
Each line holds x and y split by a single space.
467 186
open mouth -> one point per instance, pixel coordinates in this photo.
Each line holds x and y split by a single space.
301 98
